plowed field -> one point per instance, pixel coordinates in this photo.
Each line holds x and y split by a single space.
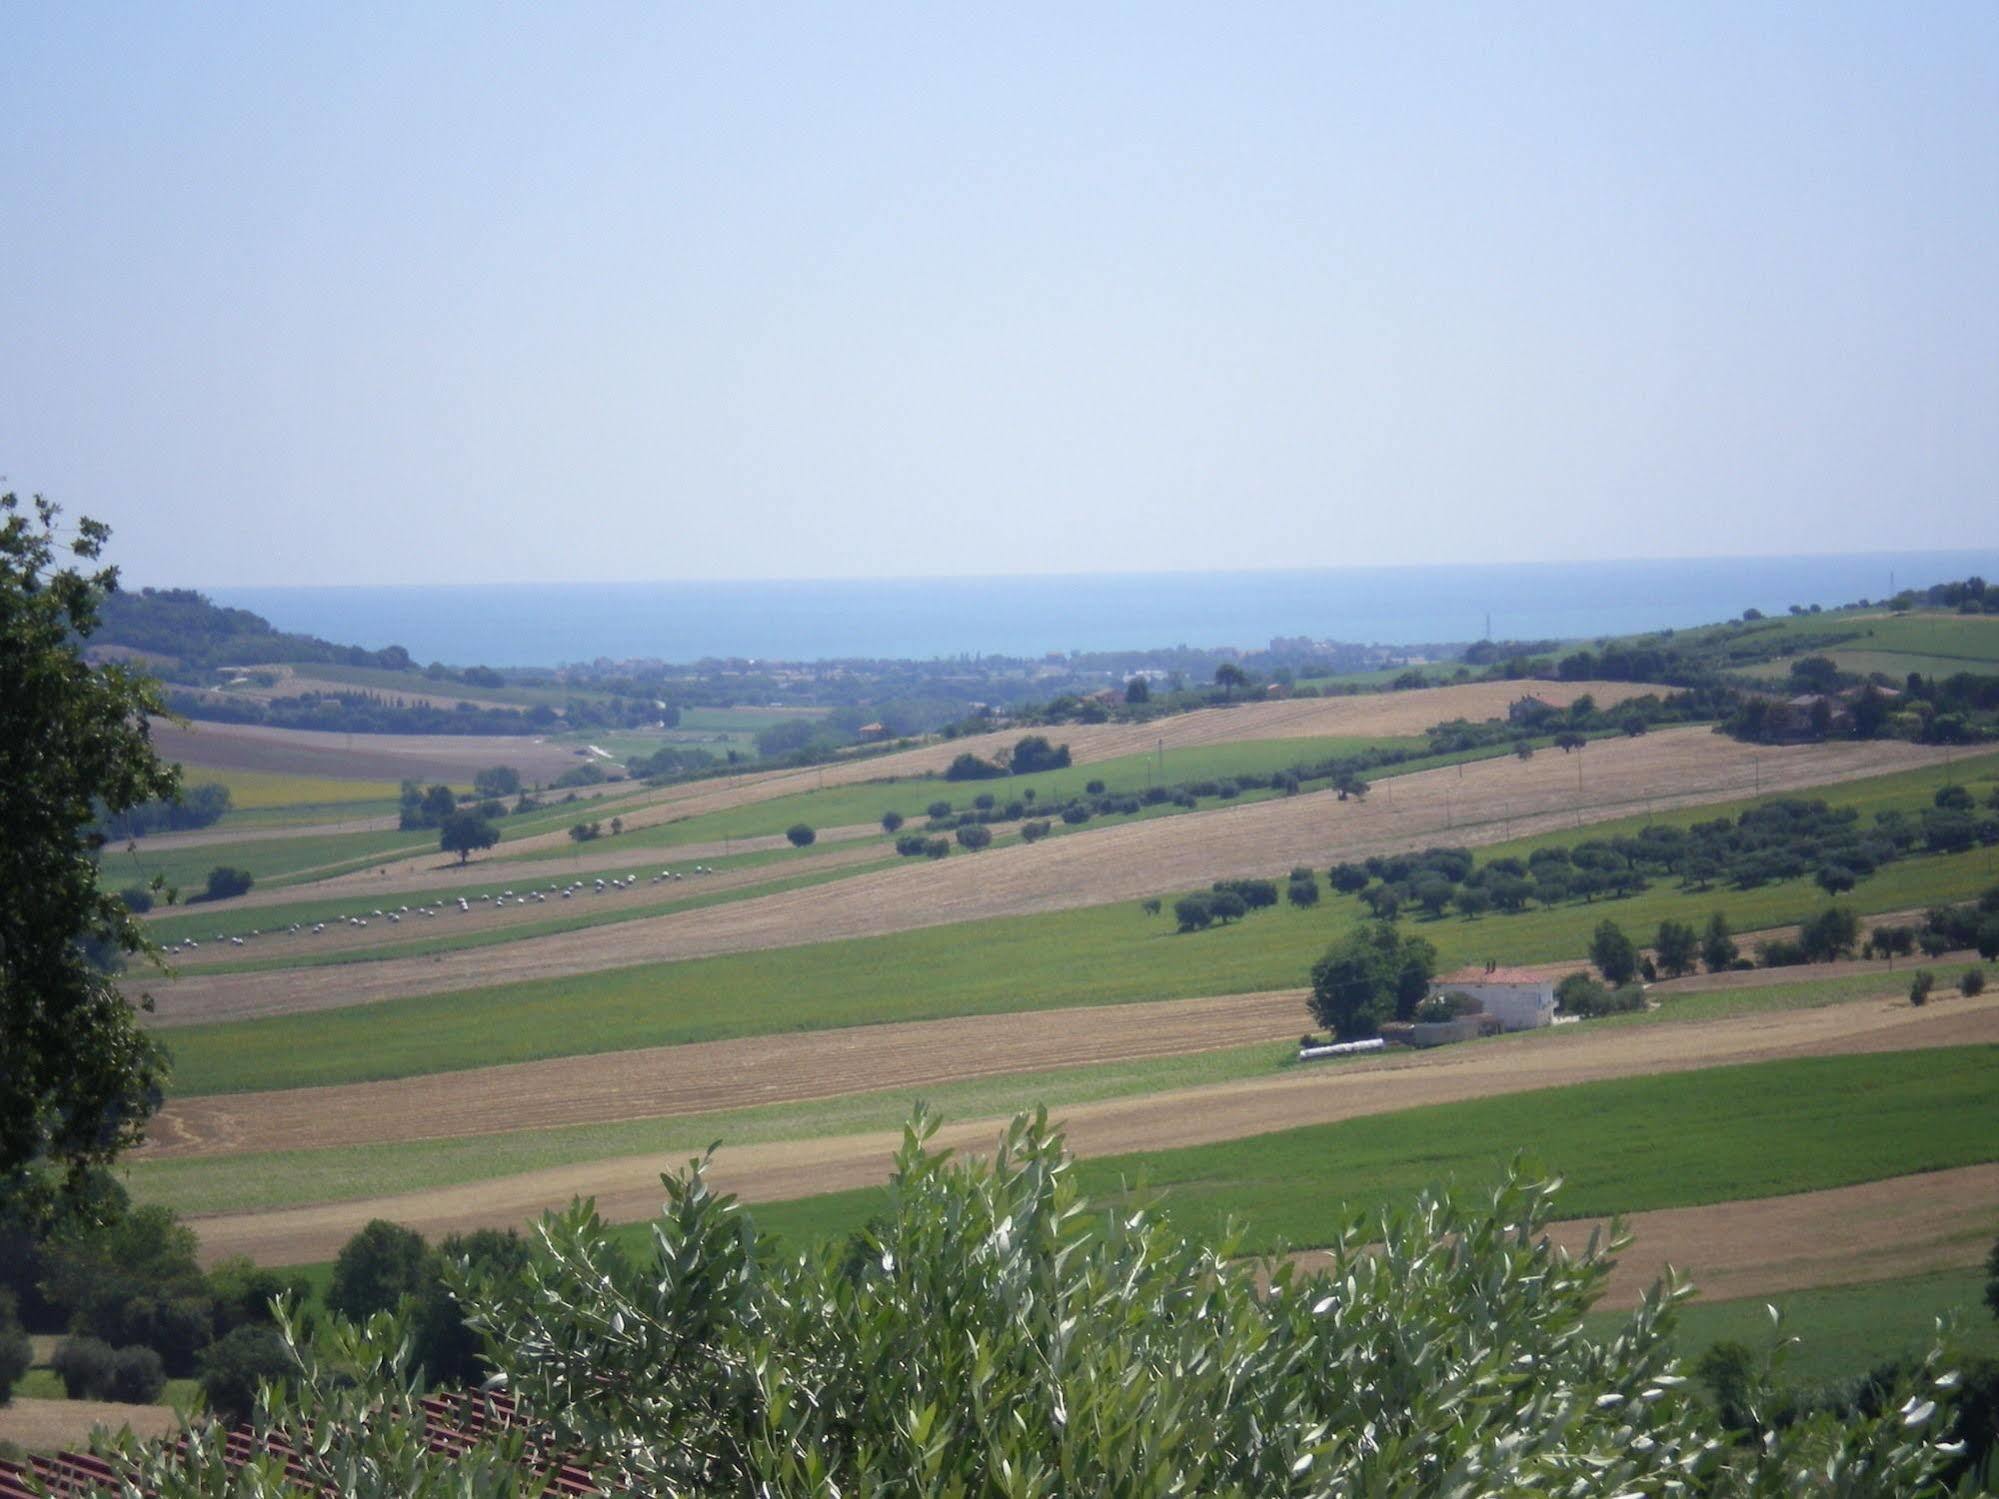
628 1188
1484 802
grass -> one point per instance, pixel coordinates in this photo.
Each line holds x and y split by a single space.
1841 1330
284 1178
42 1383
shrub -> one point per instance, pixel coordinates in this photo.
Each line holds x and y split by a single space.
1033 832
17 1354
1194 912
137 898
136 1376
583 832
375 1269
891 821
1075 814
911 845
1920 986
799 835
84 1366
232 1369
1779 952
938 809
1302 892
1579 994
1971 982
1228 905
225 881
1452 1005
1150 905
969 767
1348 879
984 801
1094 788
975 837
1256 895
937 848
1034 754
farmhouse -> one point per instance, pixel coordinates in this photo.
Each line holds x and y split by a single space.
1517 998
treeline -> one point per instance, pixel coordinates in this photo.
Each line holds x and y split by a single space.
1781 840
184 624
196 807
355 713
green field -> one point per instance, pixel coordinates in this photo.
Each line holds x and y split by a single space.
1092 955
1842 1330
283 1178
1632 1145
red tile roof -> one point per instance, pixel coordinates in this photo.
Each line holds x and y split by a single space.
1494 976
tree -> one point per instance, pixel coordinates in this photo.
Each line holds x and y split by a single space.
1034 753
1830 934
1835 879
1229 676
1350 784
891 821
465 832
1348 878
17 1354
975 836
1718 949
78 1078
497 780
376 1268
1137 691
1678 947
226 881
438 803
799 835
1613 953
1371 975
233 1367
1194 912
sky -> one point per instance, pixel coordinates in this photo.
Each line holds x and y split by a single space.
455 293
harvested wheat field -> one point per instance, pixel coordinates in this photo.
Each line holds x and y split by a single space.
361 757
1483 802
49 1425
627 1188
662 1081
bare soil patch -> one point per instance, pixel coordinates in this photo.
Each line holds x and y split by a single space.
1484 802
53 1425
628 1188
365 757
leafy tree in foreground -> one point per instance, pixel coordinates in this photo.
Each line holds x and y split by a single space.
990 1334
78 1078
463 833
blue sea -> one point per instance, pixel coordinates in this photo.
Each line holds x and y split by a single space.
550 624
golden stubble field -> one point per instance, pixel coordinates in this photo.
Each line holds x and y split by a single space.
1483 802
365 757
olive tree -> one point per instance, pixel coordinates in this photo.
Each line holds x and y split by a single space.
988 1332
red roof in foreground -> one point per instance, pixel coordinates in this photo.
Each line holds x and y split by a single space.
1494 976
452 1423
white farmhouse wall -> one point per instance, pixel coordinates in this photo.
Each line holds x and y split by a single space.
1517 1007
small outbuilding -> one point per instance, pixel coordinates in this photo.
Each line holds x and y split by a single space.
1518 998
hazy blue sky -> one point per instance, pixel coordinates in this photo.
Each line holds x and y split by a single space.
326 294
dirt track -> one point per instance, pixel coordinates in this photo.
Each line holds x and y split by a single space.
627 1188
1484 802
362 757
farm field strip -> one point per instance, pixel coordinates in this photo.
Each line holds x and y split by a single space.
231 1152
628 1188
485 924
1364 717
1095 956
454 758
1482 802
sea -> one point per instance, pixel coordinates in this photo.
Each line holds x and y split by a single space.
554 624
